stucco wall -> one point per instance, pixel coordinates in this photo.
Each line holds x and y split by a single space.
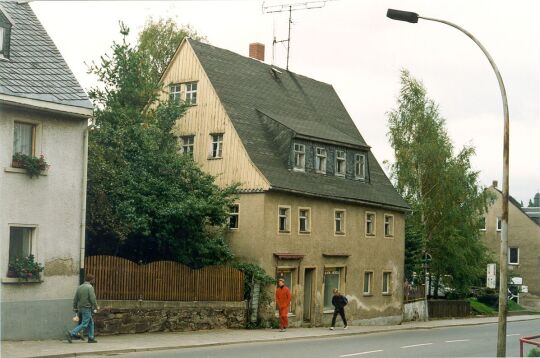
52 205
258 238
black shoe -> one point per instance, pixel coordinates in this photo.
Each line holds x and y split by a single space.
68 336
92 340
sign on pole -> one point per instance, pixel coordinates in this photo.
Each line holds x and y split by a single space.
491 279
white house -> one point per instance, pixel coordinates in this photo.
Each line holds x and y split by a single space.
43 111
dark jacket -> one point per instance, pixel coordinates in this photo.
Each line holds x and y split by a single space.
85 297
339 301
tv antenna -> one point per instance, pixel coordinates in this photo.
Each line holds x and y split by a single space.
308 5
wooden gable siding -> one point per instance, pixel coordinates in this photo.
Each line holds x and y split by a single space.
208 117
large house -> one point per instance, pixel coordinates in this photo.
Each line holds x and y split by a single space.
523 243
43 112
314 205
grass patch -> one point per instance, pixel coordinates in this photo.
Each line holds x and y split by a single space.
512 306
480 308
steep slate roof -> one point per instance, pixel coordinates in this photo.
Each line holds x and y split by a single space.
250 90
36 69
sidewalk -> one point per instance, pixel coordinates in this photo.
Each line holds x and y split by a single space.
174 340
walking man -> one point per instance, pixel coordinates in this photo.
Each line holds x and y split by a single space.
339 302
283 299
84 302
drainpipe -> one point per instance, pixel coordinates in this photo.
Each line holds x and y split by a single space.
83 204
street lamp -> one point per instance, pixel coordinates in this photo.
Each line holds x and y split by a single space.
413 17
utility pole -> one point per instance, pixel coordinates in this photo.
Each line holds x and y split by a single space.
309 5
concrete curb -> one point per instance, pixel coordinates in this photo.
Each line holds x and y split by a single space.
281 339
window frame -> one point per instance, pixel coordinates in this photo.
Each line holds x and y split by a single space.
342 222
188 145
287 229
369 292
509 255
190 93
386 291
301 154
392 224
498 223
330 308
356 166
320 158
218 151
374 224
342 159
175 95
236 214
33 239
308 221
33 139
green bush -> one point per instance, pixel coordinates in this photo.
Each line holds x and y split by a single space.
480 308
535 352
34 166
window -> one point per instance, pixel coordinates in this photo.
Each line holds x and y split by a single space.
234 210
339 218
287 276
20 242
368 278
2 32
482 224
217 146
388 225
331 281
386 282
359 166
174 92
5 34
304 220
24 138
284 219
370 224
320 160
513 255
499 224
187 145
191 93
340 162
299 156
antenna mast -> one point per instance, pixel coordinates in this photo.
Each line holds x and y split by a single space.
308 5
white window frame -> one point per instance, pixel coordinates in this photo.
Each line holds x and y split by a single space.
33 138
388 289
341 220
236 214
513 263
307 218
33 239
341 157
320 160
369 275
373 224
287 216
187 145
299 157
191 92
389 223
175 91
357 166
498 223
216 146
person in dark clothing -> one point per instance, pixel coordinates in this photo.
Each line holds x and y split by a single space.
84 302
339 302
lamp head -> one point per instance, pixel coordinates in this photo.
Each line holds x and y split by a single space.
399 15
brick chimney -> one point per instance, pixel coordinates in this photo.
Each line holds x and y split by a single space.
256 51
495 183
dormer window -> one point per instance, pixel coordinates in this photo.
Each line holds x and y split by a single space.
5 34
359 166
320 160
340 163
299 156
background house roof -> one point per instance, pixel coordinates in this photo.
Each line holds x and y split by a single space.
250 91
35 68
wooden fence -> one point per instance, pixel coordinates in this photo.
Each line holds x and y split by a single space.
121 279
448 308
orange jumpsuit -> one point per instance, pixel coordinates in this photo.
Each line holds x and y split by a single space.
283 299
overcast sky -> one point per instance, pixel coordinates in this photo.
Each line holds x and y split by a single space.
352 45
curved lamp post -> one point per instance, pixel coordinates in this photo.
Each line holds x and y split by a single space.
412 17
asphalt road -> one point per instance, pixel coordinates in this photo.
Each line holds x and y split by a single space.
466 341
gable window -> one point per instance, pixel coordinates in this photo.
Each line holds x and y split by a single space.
339 218
24 138
174 92
299 156
188 144
370 224
284 219
340 162
513 255
217 146
234 210
320 160
20 242
331 281
191 93
5 34
368 278
304 220
499 224
359 166
2 34
386 281
388 225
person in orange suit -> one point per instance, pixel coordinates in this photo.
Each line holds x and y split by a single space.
283 299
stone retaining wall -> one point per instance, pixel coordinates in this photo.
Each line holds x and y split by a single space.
120 317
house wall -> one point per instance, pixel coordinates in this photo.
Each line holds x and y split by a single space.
258 238
206 117
523 233
51 203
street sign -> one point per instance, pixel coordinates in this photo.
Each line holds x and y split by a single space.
491 279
